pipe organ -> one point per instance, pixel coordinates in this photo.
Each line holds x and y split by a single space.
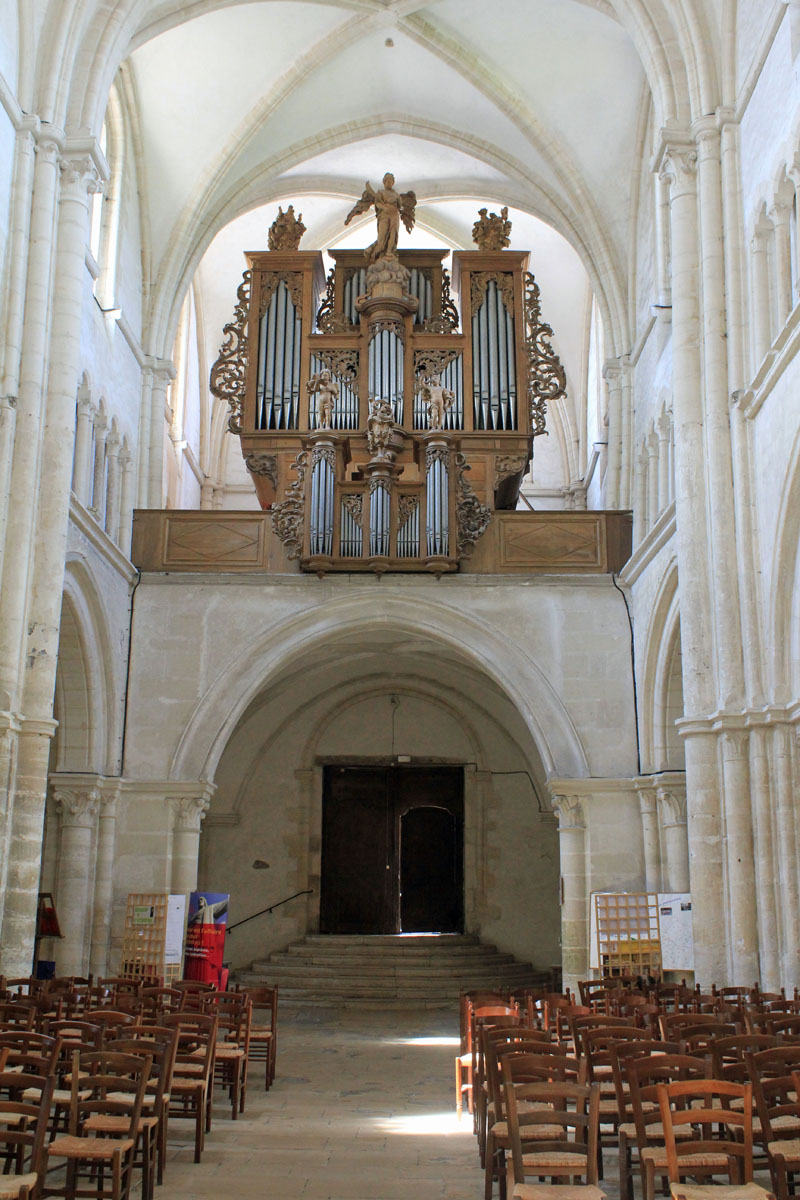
385 412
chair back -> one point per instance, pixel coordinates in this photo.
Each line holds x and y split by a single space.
700 1113
108 1083
25 1100
572 1108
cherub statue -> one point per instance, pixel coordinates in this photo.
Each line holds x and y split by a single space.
492 232
391 208
439 401
327 392
286 230
380 426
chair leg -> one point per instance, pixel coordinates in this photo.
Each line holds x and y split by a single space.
458 1086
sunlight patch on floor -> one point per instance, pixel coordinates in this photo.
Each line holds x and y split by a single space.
429 1123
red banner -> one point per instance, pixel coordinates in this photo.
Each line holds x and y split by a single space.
205 937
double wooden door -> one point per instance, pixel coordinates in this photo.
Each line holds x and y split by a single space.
392 850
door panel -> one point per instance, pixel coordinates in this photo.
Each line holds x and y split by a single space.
429 883
357 845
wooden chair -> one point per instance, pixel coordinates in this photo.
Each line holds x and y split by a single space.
161 1055
104 1085
645 1076
529 1062
486 1016
720 1140
164 1036
24 1109
233 1041
264 1034
18 1014
569 1152
191 1093
773 1073
495 1042
110 1020
622 1053
698 1039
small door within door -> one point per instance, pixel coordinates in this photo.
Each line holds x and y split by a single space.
392 850
430 891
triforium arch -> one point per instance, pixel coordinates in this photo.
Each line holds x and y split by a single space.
660 688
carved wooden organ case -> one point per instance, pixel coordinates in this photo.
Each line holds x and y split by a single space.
439 389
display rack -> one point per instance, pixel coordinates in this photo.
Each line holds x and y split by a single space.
628 933
145 950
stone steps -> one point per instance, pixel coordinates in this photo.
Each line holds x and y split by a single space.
388 970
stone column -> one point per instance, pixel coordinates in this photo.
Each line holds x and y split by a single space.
784 803
794 176
626 433
112 486
188 818
652 853
77 808
612 373
162 377
672 804
43 614
640 498
574 899
664 432
741 907
124 525
768 934
652 480
82 469
9 732
104 878
762 318
98 505
782 244
143 449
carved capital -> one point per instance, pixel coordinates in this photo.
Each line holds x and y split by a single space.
734 743
77 807
678 167
569 811
79 175
647 800
673 806
189 811
48 151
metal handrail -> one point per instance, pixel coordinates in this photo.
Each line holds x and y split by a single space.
236 924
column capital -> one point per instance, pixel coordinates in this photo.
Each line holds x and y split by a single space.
569 810
647 799
676 160
79 175
48 150
705 130
78 807
113 444
672 803
189 811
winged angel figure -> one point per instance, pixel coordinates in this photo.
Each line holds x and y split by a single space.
391 208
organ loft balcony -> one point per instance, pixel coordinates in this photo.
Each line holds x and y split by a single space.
387 415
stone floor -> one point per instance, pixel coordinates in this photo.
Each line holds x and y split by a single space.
361 1109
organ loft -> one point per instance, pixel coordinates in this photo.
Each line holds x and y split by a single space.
387 414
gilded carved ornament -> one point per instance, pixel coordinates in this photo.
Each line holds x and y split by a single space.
260 463
429 365
547 379
508 465
472 517
406 507
341 363
270 281
504 282
353 502
328 319
287 515
286 230
230 370
447 319
492 232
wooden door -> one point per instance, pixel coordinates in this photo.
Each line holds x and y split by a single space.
392 850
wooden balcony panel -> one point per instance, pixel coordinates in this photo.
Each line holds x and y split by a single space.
516 543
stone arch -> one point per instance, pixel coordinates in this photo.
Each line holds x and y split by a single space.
88 725
783 635
217 714
661 689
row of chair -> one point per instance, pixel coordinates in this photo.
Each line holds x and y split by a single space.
89 1096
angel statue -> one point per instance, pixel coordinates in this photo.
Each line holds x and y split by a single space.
391 208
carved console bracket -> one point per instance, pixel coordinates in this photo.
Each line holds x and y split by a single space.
547 379
229 373
287 516
472 517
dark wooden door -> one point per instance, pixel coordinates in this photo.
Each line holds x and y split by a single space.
392 850
356 893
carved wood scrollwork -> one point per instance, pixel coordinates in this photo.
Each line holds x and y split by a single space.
447 320
547 379
507 466
354 503
230 370
259 463
472 517
406 507
287 516
328 319
388 326
430 364
341 363
270 281
505 286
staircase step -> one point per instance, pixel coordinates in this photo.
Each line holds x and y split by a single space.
388 970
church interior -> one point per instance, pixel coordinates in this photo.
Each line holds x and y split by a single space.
399 475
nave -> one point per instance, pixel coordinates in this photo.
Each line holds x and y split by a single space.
361 1109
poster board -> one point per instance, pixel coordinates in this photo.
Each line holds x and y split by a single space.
205 937
151 923
625 937
675 920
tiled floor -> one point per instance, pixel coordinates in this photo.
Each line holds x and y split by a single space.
361 1109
